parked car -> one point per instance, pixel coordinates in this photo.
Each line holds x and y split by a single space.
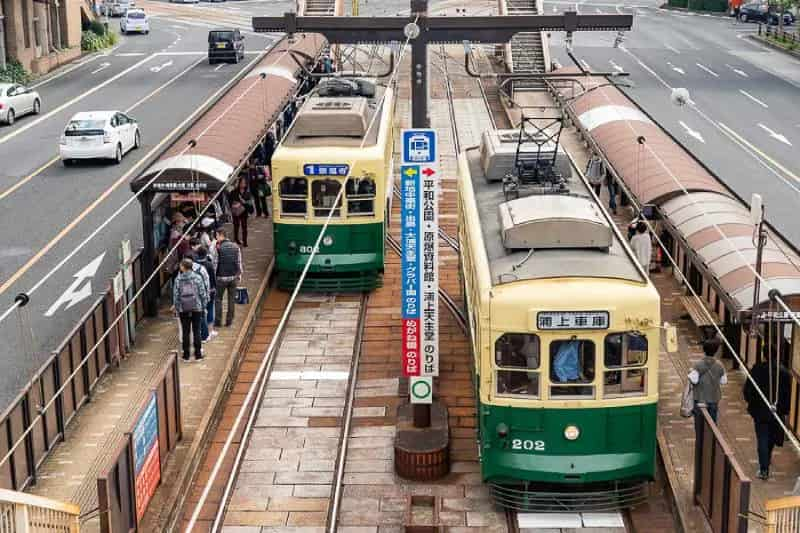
225 45
17 100
99 135
758 12
134 20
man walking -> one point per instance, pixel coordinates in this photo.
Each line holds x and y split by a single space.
229 271
776 386
707 376
188 298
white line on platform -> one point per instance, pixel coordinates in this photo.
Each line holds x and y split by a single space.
753 98
708 70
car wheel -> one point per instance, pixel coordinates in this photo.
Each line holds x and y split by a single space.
743 17
10 117
137 140
118 155
37 106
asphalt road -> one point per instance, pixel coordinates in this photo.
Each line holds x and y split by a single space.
49 210
744 124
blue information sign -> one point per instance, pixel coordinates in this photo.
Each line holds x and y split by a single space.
419 146
145 434
410 226
325 169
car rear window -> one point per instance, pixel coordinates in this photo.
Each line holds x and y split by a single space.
85 127
136 15
220 36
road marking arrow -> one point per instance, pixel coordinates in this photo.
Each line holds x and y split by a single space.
615 66
78 290
774 135
737 71
102 66
159 68
676 69
690 131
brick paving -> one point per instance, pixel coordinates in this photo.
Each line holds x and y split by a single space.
70 473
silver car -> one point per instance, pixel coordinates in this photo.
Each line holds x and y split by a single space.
17 100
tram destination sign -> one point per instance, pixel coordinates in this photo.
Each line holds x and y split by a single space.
325 169
572 320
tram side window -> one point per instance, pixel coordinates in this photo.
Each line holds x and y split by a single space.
517 357
294 192
572 364
323 195
625 357
360 194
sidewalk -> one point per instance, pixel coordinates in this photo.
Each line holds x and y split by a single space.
676 434
70 473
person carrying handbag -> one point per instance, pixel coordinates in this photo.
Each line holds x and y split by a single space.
241 202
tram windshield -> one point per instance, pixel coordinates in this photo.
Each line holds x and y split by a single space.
294 192
572 365
323 196
360 194
517 356
625 357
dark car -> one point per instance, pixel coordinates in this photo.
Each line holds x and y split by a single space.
757 12
225 45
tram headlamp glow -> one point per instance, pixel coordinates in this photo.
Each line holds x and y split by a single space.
572 432
327 240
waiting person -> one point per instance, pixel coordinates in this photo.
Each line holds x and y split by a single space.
612 192
642 245
777 388
707 376
259 189
201 271
594 173
229 271
203 259
188 301
241 202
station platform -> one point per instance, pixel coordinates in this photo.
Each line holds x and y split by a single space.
676 434
69 474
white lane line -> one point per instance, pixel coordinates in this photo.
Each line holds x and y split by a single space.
102 67
64 72
585 65
753 98
774 135
75 100
216 69
671 48
689 43
703 67
615 66
737 71
694 133
130 54
679 70
745 143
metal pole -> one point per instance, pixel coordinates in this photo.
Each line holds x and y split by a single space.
762 241
2 38
149 255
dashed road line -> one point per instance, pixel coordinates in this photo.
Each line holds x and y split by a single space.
753 98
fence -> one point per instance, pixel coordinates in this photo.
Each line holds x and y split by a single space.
126 486
783 515
721 489
26 513
63 384
789 37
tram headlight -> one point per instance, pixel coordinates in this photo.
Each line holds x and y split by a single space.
502 430
572 432
327 240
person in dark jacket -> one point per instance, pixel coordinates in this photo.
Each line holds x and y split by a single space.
707 376
202 258
188 299
259 190
768 432
229 271
241 202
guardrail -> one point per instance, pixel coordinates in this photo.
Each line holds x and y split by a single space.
777 33
26 513
783 515
64 383
126 485
721 488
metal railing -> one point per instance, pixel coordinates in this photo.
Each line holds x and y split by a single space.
783 515
26 513
788 37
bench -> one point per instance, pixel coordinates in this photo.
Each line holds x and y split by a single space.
701 314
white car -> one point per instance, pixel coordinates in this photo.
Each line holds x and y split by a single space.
117 8
17 100
99 135
134 20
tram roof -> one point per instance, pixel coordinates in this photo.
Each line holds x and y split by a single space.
511 265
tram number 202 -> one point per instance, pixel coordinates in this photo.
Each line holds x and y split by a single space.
527 445
309 249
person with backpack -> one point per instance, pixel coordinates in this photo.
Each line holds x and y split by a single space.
229 271
188 299
707 377
776 384
595 172
202 258
201 271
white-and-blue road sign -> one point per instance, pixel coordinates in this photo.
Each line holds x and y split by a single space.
419 146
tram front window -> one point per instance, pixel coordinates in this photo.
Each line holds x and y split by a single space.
323 196
572 364
517 357
294 192
360 197
625 357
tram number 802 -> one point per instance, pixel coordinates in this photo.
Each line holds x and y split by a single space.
527 445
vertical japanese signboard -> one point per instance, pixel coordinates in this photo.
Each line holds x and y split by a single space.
147 463
420 263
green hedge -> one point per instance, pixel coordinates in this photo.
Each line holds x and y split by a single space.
14 73
92 42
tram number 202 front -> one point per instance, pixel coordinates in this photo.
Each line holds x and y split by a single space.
308 249
527 445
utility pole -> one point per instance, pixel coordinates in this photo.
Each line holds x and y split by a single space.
757 216
2 38
422 441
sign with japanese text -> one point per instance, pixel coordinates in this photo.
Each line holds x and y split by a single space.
146 459
322 169
572 320
410 290
430 271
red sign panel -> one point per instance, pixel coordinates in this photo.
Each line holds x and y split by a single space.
411 347
147 481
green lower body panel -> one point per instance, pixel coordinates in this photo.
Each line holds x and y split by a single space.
353 261
529 445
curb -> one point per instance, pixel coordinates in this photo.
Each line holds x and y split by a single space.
791 53
207 425
717 14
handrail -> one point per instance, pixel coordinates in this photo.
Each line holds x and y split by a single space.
23 498
26 513
783 514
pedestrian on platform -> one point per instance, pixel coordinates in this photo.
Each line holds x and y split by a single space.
188 300
642 245
707 376
776 384
594 173
241 202
203 259
612 192
259 189
229 272
201 271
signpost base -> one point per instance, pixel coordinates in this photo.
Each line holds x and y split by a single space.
422 454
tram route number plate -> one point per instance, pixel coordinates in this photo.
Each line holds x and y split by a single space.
527 445
572 320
